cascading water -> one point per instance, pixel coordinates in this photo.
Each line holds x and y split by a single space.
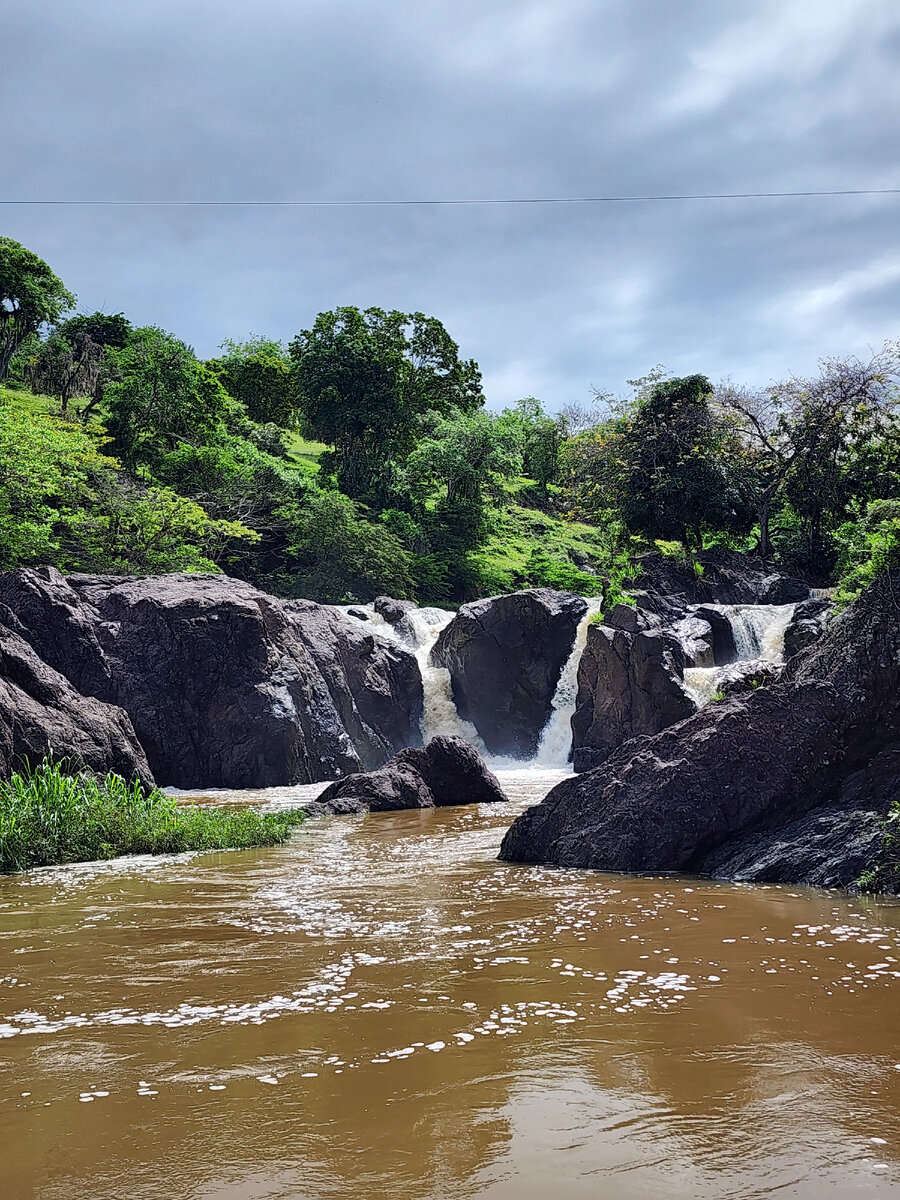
419 629
758 631
555 745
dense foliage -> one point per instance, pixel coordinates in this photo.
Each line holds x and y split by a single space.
121 451
49 817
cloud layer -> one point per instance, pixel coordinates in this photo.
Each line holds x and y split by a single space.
346 99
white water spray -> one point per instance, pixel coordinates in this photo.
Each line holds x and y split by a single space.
758 631
555 745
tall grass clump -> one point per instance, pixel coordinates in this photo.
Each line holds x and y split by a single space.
48 816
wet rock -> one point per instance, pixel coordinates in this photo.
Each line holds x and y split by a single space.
724 649
782 589
42 714
629 684
505 656
807 626
730 788
392 610
660 803
448 771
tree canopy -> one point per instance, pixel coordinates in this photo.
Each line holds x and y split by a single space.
363 379
30 296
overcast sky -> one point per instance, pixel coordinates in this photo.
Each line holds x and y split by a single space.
405 99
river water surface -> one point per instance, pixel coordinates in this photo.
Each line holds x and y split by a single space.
381 1009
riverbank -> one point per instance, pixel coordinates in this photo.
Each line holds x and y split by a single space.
49 817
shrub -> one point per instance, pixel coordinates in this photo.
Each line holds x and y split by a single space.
48 817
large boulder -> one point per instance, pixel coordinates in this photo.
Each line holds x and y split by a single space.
806 626
41 714
754 763
448 771
53 619
629 684
505 656
375 685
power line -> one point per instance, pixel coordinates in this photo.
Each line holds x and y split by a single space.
458 202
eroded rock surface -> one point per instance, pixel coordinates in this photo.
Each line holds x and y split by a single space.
719 790
42 714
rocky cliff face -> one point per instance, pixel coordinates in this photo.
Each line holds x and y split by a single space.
732 788
223 685
505 656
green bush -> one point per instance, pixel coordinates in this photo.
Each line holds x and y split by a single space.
867 547
49 817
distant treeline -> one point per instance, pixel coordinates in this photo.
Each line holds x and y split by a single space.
360 459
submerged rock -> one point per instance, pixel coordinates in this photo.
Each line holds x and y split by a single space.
723 790
448 771
505 656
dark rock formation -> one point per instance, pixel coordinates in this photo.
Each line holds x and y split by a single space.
55 622
41 714
718 791
724 650
628 684
806 627
392 610
225 686
505 655
448 771
829 846
376 687
724 577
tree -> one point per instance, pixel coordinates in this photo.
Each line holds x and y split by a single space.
258 374
30 296
362 379
677 476
542 439
162 397
67 367
814 442
466 454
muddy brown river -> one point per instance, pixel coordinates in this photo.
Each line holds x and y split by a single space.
382 1010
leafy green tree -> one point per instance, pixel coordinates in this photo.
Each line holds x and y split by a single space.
677 476
65 502
363 379
542 439
258 374
466 454
31 296
817 444
162 397
867 546
334 554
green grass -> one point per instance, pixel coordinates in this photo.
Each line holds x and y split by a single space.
49 817
24 398
305 453
528 547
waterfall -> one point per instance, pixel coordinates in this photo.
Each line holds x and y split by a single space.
758 631
439 715
555 745
418 632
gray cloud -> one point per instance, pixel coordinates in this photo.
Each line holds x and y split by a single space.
426 98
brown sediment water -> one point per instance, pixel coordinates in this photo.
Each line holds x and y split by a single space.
381 1009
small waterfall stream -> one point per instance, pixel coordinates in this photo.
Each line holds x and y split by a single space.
758 631
555 745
